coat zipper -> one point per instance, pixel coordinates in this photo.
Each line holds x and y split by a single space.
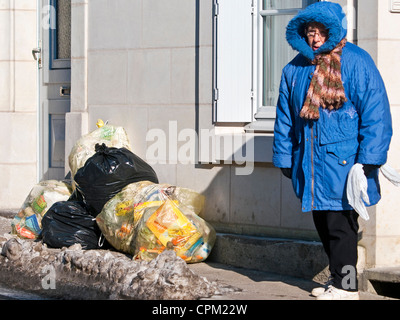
312 167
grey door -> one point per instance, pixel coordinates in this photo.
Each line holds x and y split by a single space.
54 63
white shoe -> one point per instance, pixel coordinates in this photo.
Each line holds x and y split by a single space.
338 294
320 290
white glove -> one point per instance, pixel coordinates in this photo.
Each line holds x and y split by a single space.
357 186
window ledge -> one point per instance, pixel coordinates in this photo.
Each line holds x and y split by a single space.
261 126
264 120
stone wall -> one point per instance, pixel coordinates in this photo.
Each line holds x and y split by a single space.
17 101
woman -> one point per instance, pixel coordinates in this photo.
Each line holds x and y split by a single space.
332 112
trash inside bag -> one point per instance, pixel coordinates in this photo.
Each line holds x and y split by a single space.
84 148
67 223
145 219
357 186
107 172
27 223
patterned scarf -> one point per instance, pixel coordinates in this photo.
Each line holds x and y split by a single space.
326 87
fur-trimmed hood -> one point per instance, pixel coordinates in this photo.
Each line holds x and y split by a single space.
330 15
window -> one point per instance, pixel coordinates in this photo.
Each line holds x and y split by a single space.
250 52
60 34
276 52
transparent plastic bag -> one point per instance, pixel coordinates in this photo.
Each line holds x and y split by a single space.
84 148
357 186
391 174
145 219
27 223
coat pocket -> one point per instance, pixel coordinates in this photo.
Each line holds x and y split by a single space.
340 125
339 158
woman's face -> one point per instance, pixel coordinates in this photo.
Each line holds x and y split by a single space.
316 34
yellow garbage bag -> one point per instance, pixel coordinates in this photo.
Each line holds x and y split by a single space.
145 219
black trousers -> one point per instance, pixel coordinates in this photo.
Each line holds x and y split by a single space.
338 231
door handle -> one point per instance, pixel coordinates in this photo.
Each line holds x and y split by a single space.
65 91
37 55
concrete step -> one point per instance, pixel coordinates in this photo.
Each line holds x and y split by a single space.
302 259
383 281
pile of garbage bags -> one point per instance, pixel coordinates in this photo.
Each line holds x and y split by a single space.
115 198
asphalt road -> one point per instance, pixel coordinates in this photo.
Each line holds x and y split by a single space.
12 294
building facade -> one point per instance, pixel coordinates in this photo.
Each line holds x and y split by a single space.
194 83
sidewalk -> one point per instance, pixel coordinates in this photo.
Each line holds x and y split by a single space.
257 285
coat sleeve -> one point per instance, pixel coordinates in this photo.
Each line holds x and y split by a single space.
283 130
371 101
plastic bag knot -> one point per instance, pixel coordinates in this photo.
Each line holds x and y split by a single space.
101 148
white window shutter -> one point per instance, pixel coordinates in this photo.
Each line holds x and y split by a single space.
234 55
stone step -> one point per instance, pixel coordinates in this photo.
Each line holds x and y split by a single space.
383 281
301 259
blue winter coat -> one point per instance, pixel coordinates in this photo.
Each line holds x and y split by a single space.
321 153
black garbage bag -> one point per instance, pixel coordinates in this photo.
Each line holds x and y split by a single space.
67 223
107 172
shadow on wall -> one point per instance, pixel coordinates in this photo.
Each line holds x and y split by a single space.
246 214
